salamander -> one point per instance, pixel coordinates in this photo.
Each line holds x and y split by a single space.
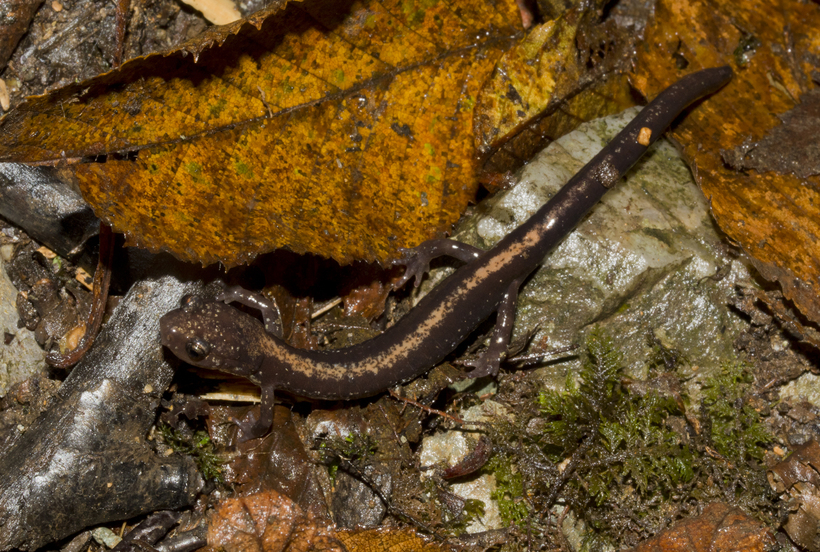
212 334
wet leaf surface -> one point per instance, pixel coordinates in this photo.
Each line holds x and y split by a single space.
278 462
603 98
343 129
270 522
389 540
322 127
267 522
798 477
719 528
16 17
522 85
788 148
773 214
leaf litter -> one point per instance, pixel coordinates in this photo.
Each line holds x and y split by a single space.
324 127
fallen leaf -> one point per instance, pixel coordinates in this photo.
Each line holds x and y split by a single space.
277 462
602 98
267 522
324 127
391 539
798 478
773 46
788 148
525 80
17 15
547 70
270 522
565 72
720 528
791 321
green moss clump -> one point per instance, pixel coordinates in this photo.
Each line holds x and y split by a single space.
628 446
734 426
353 451
199 446
628 464
509 490
473 510
456 525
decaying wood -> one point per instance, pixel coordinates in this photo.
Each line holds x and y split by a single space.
86 459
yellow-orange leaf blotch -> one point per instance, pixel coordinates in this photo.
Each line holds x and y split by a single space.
773 47
327 127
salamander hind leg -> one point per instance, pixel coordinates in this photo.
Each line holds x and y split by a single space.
489 363
417 260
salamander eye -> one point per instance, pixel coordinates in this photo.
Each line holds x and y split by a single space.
197 349
191 303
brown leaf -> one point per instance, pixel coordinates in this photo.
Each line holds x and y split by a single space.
389 540
280 463
791 147
784 310
323 127
267 522
720 528
17 15
773 46
798 476
270 522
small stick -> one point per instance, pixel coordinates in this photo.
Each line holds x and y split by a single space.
426 408
123 7
102 279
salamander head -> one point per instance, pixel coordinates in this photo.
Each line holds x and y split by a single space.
214 335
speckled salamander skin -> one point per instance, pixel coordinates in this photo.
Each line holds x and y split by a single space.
238 343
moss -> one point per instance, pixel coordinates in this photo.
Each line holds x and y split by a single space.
662 358
353 450
509 491
746 47
471 511
199 446
626 437
630 464
734 426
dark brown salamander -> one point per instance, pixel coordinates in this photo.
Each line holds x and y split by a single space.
215 335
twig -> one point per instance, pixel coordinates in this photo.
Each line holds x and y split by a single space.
123 7
102 279
426 408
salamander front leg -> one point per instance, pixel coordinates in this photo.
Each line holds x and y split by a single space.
262 426
417 260
268 308
489 363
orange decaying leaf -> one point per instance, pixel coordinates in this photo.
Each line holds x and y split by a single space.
271 522
268 522
390 539
774 217
527 79
720 528
323 127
